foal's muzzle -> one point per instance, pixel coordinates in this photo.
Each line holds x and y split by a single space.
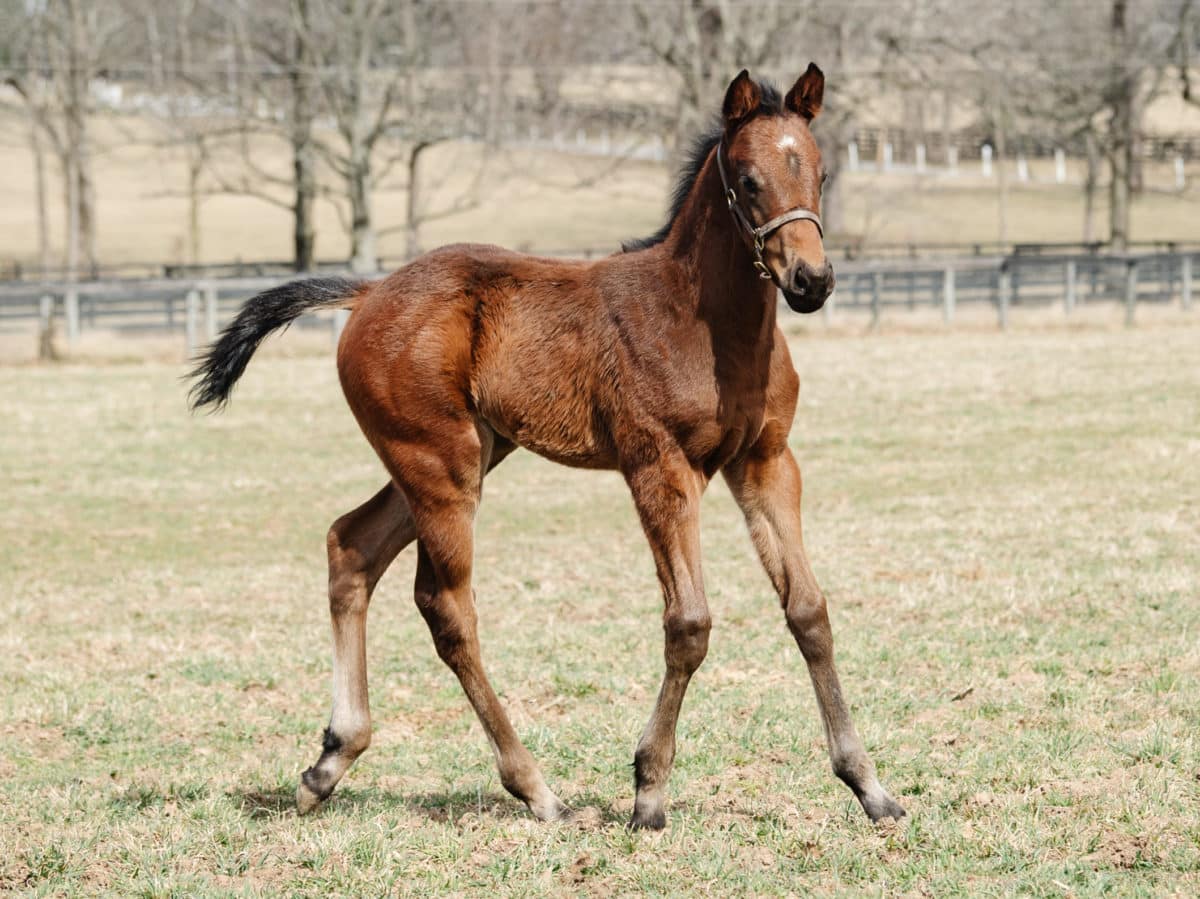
808 288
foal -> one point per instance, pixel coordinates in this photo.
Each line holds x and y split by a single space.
663 362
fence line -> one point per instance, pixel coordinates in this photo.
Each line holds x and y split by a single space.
198 306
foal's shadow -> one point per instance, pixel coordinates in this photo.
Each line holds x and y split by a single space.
441 807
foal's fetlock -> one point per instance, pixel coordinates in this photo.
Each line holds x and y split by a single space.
538 797
337 754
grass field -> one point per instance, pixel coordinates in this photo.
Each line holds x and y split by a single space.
1007 527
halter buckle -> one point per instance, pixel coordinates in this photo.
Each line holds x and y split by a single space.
730 197
763 271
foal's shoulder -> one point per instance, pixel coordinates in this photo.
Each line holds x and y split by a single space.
783 384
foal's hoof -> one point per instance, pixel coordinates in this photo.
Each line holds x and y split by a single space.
883 807
306 800
653 820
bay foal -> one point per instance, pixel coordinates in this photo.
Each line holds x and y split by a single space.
664 362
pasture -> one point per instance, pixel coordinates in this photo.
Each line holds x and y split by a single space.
1007 527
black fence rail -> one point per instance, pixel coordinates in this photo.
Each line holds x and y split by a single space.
1019 281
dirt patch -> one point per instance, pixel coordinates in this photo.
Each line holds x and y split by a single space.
1119 850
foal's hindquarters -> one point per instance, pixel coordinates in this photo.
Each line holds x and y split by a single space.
404 367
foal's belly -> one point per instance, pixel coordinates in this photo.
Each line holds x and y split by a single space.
551 414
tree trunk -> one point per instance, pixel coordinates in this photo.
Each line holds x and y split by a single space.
1121 141
39 183
47 351
1001 179
362 232
1089 189
195 158
304 163
83 194
412 224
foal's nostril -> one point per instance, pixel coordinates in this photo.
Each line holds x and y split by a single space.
813 283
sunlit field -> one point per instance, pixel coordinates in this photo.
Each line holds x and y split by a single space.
1007 527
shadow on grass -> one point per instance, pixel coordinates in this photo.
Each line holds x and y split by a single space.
443 807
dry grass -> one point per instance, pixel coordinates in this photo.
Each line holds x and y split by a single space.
1006 526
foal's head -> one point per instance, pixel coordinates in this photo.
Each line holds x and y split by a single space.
773 167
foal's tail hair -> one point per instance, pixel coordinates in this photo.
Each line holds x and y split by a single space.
223 363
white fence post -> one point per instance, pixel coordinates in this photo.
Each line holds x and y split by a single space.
948 295
852 155
1060 167
191 313
887 157
1180 175
921 158
1072 275
210 311
952 159
1185 277
1022 168
71 307
985 161
340 317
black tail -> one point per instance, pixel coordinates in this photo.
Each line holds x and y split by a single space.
270 310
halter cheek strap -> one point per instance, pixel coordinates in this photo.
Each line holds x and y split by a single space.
759 235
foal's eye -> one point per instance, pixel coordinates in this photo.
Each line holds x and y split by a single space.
749 185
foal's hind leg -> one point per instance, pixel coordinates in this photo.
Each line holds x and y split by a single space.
361 545
443 485
767 487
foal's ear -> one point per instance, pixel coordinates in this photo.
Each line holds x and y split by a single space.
806 94
742 98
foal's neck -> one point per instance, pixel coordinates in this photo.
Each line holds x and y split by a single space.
705 243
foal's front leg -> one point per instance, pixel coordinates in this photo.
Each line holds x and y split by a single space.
667 496
767 487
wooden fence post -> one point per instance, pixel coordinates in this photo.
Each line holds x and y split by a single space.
210 311
340 317
71 307
948 296
876 286
1072 276
192 307
1185 277
1003 287
1131 267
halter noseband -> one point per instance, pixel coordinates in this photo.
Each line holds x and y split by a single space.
759 235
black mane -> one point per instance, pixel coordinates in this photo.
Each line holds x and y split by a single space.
693 162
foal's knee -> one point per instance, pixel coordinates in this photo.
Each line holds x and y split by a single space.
687 633
808 620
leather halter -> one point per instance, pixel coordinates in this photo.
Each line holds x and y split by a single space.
759 235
